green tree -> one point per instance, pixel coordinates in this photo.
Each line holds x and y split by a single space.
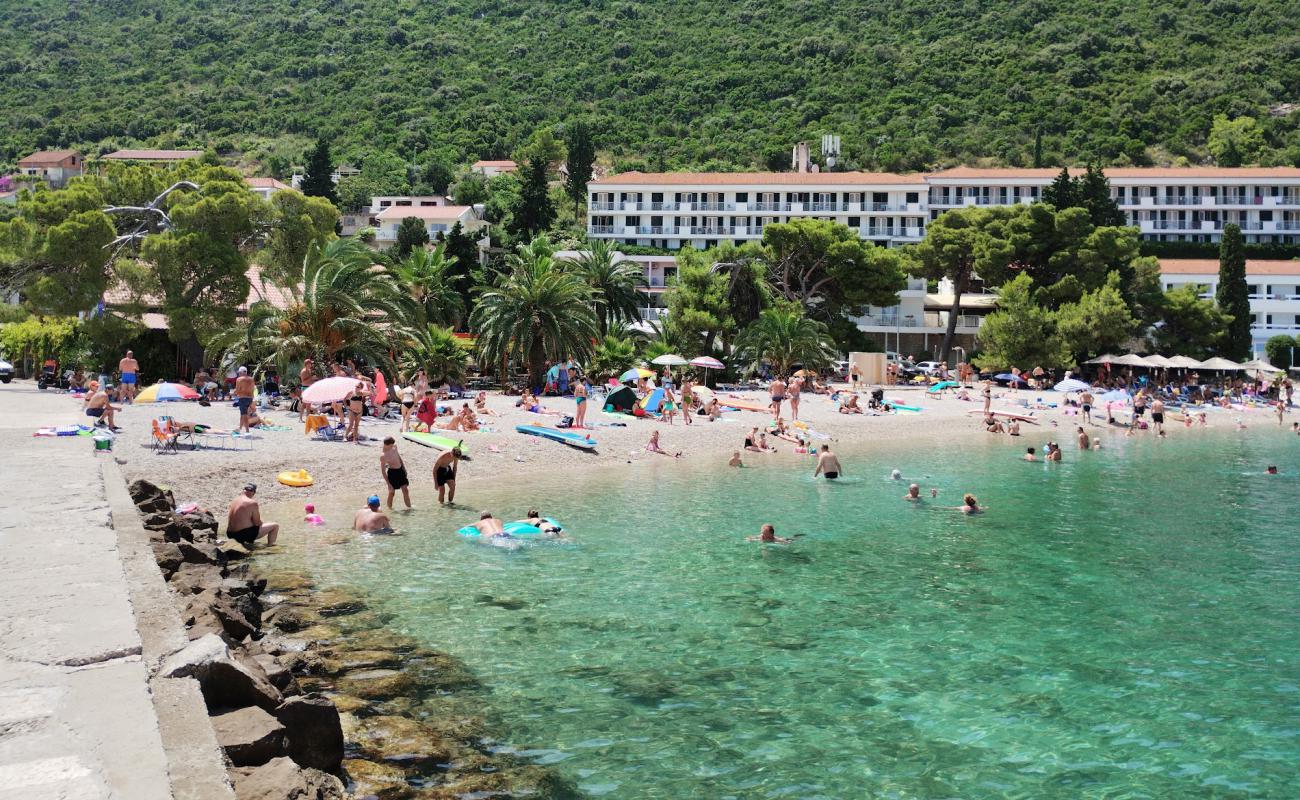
1061 192
431 279
411 234
340 305
1021 332
434 176
784 336
827 268
463 253
533 212
1278 351
748 291
1189 325
581 159
295 221
471 189
317 179
1235 142
1100 322
1233 295
957 245
697 304
1093 193
439 352
615 282
613 355
55 251
534 312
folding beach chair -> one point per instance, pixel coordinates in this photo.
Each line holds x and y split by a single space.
162 440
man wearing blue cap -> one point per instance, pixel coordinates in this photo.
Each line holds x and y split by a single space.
370 519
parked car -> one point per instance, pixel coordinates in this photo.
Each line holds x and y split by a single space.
6 371
930 368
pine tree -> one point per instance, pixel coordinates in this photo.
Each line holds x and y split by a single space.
1061 192
582 155
1233 296
317 181
1038 147
1092 191
534 212
464 250
411 233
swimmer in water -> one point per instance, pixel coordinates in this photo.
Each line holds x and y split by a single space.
768 534
828 464
1029 455
1084 441
1272 469
970 505
534 518
735 459
913 493
895 476
370 519
312 517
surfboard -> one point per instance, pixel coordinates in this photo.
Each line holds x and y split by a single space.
733 402
1008 414
435 441
578 440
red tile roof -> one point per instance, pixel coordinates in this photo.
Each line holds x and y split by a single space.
152 155
504 163
422 212
266 183
1001 172
44 158
260 289
1210 266
758 178
1234 173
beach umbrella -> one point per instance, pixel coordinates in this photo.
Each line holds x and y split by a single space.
1219 364
670 360
703 393
1183 362
1071 385
329 390
1260 365
1115 396
1010 378
1130 360
1105 359
164 392
635 373
1159 362
707 362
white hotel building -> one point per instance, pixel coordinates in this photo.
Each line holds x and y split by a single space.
701 209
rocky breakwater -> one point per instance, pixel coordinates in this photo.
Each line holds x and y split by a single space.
310 695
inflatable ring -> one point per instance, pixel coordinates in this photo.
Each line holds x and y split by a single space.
296 477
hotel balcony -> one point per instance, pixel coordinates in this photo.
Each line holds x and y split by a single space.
600 230
930 322
653 314
607 205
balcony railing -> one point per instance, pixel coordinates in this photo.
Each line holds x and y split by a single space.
888 206
826 207
653 314
706 230
600 229
714 206
771 207
603 206
655 230
931 319
1287 225
663 206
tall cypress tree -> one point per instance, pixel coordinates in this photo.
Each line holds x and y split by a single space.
1038 147
1093 193
317 180
534 212
1061 191
582 155
464 249
1233 296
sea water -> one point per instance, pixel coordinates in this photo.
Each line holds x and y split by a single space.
1122 624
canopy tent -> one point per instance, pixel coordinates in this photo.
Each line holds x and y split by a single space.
1159 362
621 399
1104 359
1219 365
1183 362
653 401
1130 360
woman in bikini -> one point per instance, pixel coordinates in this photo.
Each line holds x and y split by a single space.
580 401
688 399
480 406
408 404
356 407
669 409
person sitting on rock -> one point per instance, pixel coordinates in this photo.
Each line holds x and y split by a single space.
244 520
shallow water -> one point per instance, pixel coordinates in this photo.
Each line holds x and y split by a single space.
1123 624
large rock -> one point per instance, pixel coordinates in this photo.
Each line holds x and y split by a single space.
200 521
199 552
372 779
376 684
237 618
196 578
232 550
281 779
313 730
149 498
346 660
249 736
227 680
168 556
279 674
290 618
397 740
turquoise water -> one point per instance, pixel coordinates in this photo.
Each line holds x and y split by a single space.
1122 625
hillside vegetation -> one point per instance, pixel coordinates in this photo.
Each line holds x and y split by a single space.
907 84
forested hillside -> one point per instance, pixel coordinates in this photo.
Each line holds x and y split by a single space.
907 84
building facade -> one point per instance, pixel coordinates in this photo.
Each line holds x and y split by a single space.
1274 288
438 220
265 187
676 209
54 167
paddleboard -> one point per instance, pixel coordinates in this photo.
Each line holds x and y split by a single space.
435 441
1008 414
580 441
744 406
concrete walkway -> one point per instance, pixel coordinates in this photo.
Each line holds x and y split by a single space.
77 716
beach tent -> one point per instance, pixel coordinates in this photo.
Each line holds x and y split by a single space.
1219 365
1130 360
1159 362
621 399
653 401
1106 359
1183 362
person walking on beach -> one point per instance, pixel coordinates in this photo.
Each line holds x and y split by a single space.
688 399
580 402
828 464
356 407
987 393
130 370
1158 416
796 386
244 520
370 519
244 389
1085 406
444 474
777 391
393 470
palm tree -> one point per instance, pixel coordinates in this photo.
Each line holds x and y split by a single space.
430 278
784 336
342 304
615 283
612 357
439 352
535 312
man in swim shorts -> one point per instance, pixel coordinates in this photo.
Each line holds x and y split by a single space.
777 390
1158 416
393 470
244 520
444 474
370 519
98 407
130 369
1085 406
489 525
827 464
244 388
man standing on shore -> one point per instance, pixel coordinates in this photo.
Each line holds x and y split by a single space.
244 389
306 377
777 391
244 520
393 470
827 464
444 474
1085 406
130 370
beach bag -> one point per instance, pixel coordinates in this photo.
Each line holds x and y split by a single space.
565 422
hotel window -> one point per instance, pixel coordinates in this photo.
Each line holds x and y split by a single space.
913 197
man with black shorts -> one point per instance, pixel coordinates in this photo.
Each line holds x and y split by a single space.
444 474
827 464
244 520
1085 406
393 470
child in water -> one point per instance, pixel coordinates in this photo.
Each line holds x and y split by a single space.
312 517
